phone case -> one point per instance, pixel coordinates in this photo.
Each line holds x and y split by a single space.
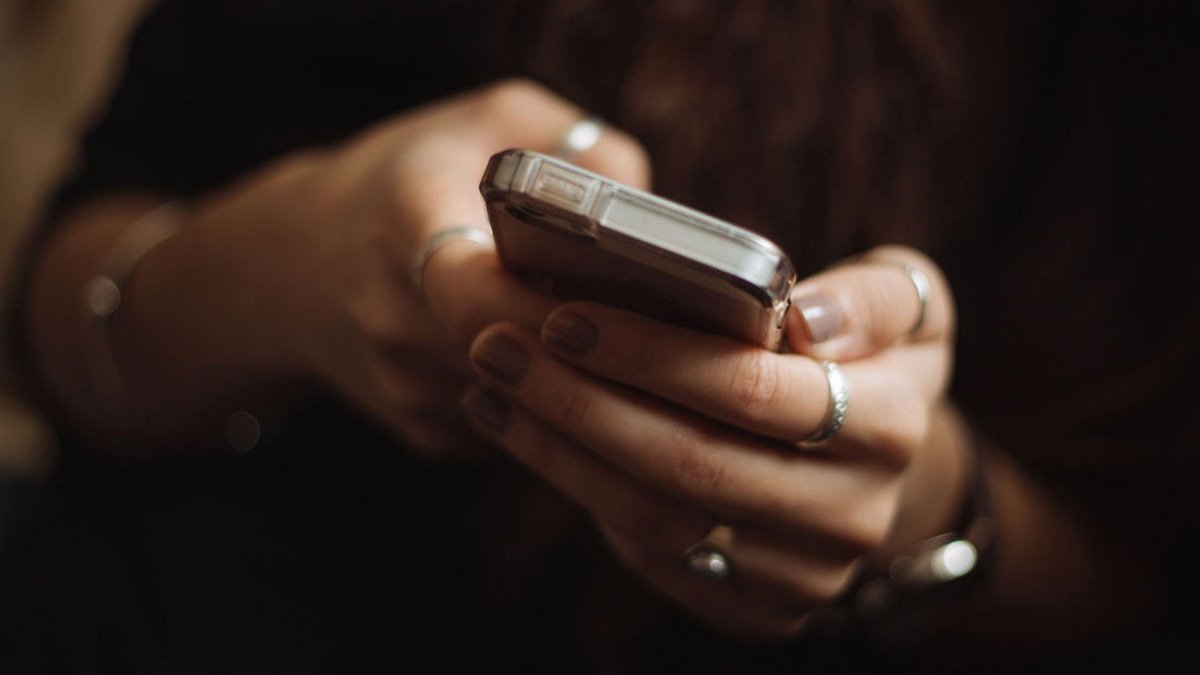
588 237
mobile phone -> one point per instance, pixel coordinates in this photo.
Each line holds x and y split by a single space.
587 237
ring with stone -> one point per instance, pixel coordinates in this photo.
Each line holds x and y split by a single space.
709 558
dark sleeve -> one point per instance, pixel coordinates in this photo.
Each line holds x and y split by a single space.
1079 345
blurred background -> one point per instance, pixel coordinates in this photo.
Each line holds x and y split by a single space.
58 62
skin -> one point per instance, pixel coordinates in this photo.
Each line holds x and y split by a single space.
297 276
658 431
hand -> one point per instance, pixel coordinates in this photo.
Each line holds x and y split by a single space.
304 268
660 432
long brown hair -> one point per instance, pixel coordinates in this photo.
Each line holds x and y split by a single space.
1033 149
811 121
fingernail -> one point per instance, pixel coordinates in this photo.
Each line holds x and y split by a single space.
821 316
488 410
501 357
570 333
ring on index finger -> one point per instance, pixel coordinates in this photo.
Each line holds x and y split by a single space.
438 240
579 138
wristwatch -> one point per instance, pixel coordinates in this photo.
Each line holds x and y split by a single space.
892 603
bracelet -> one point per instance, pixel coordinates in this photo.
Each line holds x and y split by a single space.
888 605
102 298
103 293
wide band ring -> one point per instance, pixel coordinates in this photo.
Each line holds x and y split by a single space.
441 238
579 138
839 403
709 558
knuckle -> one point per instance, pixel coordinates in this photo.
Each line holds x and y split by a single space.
905 432
572 407
756 384
627 356
626 159
830 586
694 468
510 95
791 510
374 325
866 525
823 587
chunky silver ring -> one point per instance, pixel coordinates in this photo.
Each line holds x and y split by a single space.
579 138
706 560
839 403
707 563
440 239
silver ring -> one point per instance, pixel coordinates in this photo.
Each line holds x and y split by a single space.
579 138
706 560
440 239
839 403
707 563
920 282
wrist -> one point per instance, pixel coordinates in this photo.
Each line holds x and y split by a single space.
190 347
940 549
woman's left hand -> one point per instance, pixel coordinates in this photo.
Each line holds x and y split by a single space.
661 433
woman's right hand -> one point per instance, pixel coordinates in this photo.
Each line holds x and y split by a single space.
303 269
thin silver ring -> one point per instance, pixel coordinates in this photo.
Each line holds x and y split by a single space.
440 239
839 403
706 559
579 138
920 282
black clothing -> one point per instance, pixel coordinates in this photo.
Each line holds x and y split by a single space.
331 550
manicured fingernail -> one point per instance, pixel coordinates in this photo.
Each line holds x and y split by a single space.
570 333
501 357
488 410
820 315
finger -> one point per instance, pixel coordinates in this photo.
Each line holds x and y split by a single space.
442 437
740 607
782 396
468 290
781 581
513 113
522 113
611 496
860 308
797 577
653 530
687 457
458 138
